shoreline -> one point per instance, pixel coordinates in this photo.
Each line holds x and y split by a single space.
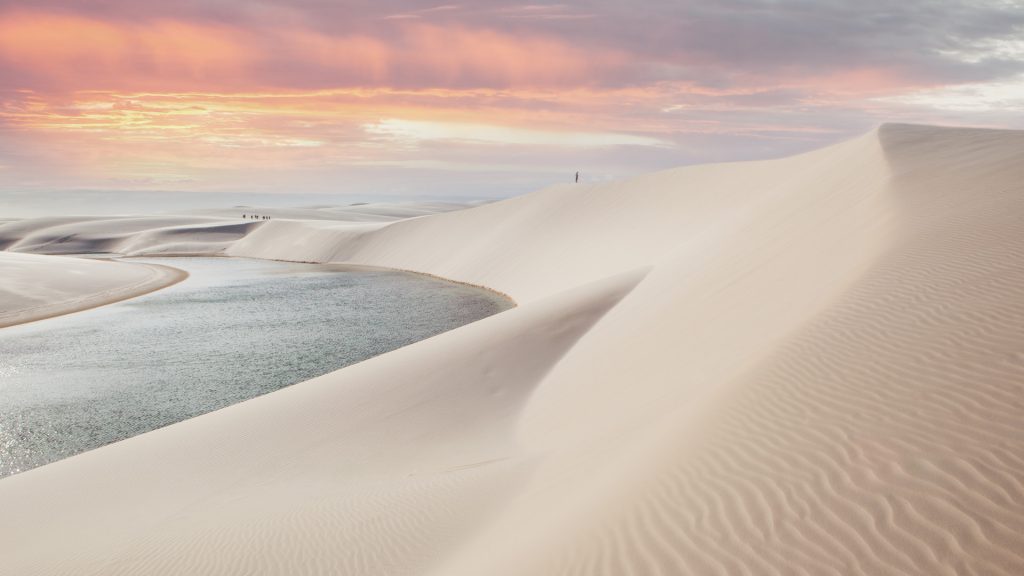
162 277
394 269
172 276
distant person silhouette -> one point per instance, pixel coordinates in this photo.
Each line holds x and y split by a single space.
577 176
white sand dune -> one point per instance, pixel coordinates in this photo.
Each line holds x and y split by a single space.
118 235
812 365
205 232
34 287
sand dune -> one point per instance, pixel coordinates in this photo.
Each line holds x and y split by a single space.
812 365
34 287
205 232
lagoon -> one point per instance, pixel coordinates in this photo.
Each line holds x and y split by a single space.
235 329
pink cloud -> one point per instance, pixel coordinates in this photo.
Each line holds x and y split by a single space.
75 52
61 51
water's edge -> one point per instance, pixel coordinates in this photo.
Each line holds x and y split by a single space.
171 274
71 384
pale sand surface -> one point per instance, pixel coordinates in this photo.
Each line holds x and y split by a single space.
33 287
812 365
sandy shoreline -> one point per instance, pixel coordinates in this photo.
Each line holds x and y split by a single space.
809 365
61 279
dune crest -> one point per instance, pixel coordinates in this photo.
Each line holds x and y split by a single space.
812 365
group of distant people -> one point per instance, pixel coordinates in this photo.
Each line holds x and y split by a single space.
254 217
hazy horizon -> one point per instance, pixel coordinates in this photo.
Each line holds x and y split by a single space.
41 203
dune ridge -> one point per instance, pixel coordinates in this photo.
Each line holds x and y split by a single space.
812 365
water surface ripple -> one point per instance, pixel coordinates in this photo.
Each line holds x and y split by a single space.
235 329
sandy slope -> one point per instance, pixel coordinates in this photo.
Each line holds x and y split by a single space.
34 287
806 366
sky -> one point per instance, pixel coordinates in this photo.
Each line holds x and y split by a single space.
481 99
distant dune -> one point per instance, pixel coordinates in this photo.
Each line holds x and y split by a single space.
812 365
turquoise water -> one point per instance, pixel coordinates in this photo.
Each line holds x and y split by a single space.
235 329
